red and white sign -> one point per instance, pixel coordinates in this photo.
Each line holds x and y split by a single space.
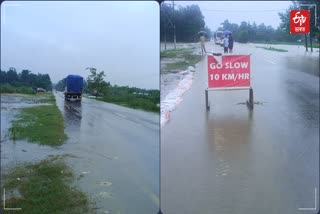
232 71
299 21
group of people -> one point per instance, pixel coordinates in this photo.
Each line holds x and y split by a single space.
228 43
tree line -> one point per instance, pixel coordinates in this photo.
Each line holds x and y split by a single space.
314 29
133 97
186 21
25 79
247 32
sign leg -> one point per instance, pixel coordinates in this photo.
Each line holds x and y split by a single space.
207 105
251 102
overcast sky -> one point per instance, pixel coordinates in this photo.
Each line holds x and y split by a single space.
215 12
61 38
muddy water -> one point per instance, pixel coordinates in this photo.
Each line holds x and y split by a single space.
113 150
230 160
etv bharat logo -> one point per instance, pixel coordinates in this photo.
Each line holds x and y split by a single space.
299 21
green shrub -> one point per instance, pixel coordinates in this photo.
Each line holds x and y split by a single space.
7 88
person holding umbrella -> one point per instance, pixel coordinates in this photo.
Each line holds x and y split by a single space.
230 42
225 43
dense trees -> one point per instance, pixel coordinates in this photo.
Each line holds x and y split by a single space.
247 32
188 21
26 79
303 5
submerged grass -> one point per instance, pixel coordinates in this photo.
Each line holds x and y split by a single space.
174 53
40 124
272 49
187 56
44 187
45 98
133 102
314 45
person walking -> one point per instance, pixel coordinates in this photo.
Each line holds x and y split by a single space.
202 42
230 43
225 43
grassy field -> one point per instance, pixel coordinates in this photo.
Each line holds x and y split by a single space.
6 88
186 55
44 187
134 102
314 45
273 49
40 124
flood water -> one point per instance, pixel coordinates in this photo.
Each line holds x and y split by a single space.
230 160
113 150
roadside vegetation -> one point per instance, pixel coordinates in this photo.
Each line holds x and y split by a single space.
185 58
272 49
189 21
24 82
131 97
40 124
44 187
10 89
136 98
315 45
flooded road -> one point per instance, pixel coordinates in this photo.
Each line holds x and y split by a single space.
114 151
230 160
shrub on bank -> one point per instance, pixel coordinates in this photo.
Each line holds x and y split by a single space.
7 88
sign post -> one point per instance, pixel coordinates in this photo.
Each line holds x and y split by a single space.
231 73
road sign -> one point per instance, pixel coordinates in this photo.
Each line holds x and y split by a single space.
232 72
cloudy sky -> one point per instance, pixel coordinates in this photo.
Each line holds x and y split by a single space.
215 12
61 38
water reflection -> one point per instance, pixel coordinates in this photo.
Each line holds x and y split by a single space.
72 115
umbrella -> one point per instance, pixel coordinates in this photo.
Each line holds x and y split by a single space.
226 32
202 33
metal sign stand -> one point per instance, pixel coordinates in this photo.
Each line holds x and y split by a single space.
250 102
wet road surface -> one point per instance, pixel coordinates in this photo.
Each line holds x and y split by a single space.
230 160
115 151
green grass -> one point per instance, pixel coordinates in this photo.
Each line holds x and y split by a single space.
134 102
314 45
44 187
188 58
40 124
172 53
273 49
7 88
45 98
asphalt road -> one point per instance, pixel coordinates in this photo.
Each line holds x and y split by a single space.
113 150
119 146
230 160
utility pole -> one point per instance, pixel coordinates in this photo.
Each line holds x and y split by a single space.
165 37
174 27
171 25
306 41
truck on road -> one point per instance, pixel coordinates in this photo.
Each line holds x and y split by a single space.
74 86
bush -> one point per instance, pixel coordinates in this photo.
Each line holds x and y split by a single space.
7 88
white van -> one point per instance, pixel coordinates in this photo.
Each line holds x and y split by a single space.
218 37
